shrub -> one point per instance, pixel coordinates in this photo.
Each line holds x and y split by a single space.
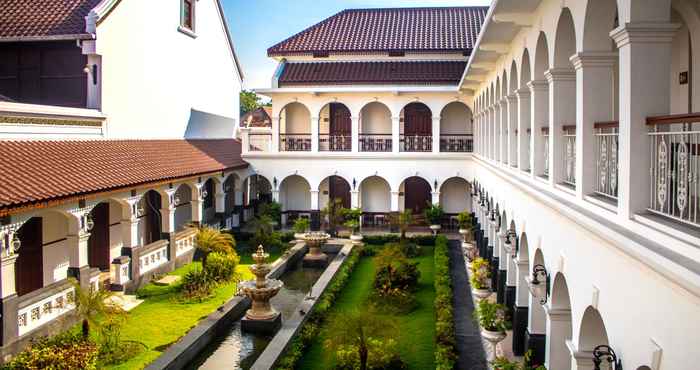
383 239
433 213
445 352
395 273
113 350
503 363
302 225
272 210
222 267
265 235
491 316
480 273
197 284
64 351
210 240
382 354
464 219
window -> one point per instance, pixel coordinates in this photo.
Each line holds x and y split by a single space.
187 15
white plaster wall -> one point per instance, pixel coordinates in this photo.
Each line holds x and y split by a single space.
296 119
680 62
295 194
375 118
454 196
115 230
375 195
323 194
161 83
456 119
56 262
324 120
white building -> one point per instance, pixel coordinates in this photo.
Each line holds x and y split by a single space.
586 156
117 124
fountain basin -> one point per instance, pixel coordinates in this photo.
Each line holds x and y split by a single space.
315 257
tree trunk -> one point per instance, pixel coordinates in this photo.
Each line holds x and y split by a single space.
363 358
86 329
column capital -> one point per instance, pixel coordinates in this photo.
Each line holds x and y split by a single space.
522 93
511 98
557 314
560 74
594 59
644 33
537 85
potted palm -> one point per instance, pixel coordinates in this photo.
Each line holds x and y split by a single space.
464 219
433 214
352 221
480 277
301 227
492 319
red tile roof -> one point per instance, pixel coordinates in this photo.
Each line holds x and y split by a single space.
44 18
343 73
257 118
383 30
38 171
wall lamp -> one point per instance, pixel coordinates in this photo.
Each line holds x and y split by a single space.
538 283
605 353
91 70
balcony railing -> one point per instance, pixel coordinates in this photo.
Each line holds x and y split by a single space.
569 154
545 142
334 143
675 165
463 143
416 143
295 142
606 139
259 142
375 142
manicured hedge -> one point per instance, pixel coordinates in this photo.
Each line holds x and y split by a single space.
393 238
445 351
311 327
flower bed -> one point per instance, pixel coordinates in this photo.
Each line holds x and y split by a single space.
445 351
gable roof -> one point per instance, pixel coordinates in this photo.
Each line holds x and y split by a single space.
435 29
50 170
259 117
44 19
370 73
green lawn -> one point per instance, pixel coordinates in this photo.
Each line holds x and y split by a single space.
417 328
163 318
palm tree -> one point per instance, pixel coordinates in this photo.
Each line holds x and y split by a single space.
355 329
91 304
211 240
403 220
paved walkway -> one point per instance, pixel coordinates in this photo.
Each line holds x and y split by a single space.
469 346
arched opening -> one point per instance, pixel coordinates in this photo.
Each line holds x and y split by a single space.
231 191
592 332
103 216
536 337
416 194
295 198
208 203
456 128
524 128
183 206
334 188
416 128
455 196
150 221
256 190
522 297
539 92
335 128
295 128
375 201
29 272
562 81
559 325
512 129
375 128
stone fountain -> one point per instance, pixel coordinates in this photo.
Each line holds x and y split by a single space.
261 317
315 257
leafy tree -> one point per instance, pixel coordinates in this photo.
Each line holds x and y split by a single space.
250 101
211 240
403 220
334 213
358 329
90 305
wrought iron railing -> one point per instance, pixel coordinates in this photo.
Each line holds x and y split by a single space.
675 167
295 142
334 143
375 142
569 154
463 143
606 158
258 142
545 151
416 143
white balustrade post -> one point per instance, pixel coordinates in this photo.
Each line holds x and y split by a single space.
395 134
314 134
355 127
436 135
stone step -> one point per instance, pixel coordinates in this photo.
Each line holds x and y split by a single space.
125 301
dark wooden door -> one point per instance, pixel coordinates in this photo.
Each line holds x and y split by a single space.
153 223
29 270
416 194
98 243
338 188
417 120
341 123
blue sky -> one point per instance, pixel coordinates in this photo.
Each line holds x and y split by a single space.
258 24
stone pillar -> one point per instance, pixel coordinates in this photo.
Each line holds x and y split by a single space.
245 139
8 299
314 134
539 118
512 104
355 127
535 337
520 307
523 116
315 212
436 134
355 198
395 134
562 112
219 197
167 212
497 132
559 329
580 360
197 203
503 131
594 103
275 134
435 197
645 62
394 201
78 257
503 258
276 195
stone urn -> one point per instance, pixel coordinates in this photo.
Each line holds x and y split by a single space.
435 229
261 317
315 257
469 251
356 238
299 237
493 337
481 294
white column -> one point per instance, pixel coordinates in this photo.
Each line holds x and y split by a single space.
314 200
556 354
539 118
594 103
503 131
219 197
197 203
497 132
436 134
78 248
562 111
395 133
130 225
536 322
435 195
355 127
580 360
512 103
355 198
245 139
645 62
522 293
394 201
275 134
523 96
314 134
491 127
167 211
238 197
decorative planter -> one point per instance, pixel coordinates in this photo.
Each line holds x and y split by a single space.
435 228
481 294
299 237
493 337
356 238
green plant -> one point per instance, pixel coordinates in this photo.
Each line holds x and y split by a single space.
464 219
480 273
332 213
358 332
222 267
402 221
302 225
352 218
210 240
197 284
491 316
264 234
503 363
433 213
112 349
395 273
90 305
445 351
64 351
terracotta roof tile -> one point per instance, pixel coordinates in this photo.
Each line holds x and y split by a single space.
340 73
389 29
257 118
44 18
35 171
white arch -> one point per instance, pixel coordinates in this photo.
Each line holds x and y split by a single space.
375 194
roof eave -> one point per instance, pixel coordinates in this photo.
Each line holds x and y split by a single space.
81 36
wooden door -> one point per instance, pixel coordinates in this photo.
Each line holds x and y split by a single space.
341 123
416 194
29 268
417 120
153 222
338 188
98 243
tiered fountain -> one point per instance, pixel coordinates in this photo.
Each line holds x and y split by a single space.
315 257
261 317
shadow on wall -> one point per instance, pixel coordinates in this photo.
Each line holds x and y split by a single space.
203 125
